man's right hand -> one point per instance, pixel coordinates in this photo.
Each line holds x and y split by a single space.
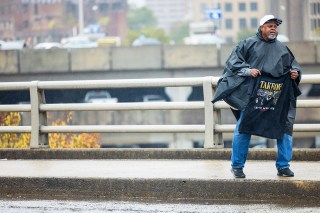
255 72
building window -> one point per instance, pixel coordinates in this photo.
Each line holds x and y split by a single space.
242 7
315 24
228 23
9 11
71 8
242 23
315 8
312 8
36 9
228 7
25 8
104 7
254 23
25 24
216 5
253 6
116 6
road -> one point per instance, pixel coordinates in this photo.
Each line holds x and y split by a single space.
62 206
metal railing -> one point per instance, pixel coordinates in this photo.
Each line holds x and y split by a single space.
212 127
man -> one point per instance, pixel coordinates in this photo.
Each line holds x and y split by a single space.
260 84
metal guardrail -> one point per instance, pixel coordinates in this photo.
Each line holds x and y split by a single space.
212 127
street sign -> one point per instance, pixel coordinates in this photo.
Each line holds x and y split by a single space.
213 14
94 28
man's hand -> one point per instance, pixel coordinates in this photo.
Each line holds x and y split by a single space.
255 72
294 74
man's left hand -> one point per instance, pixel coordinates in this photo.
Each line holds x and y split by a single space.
294 74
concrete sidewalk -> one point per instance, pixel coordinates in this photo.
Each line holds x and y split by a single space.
167 180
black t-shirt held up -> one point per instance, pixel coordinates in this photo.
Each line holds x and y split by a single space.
267 110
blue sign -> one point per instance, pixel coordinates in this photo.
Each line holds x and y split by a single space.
214 14
94 28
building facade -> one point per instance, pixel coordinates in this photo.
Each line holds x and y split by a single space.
301 18
52 20
236 16
168 12
109 15
313 26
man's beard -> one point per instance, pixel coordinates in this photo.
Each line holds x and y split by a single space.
270 37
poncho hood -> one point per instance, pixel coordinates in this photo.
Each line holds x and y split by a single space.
259 35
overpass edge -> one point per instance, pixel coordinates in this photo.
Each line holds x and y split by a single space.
152 153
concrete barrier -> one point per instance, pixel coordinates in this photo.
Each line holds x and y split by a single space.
225 53
35 61
190 56
135 58
93 59
304 52
9 62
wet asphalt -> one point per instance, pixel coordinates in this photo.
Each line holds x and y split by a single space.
65 206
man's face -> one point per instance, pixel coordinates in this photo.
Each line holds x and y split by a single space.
269 30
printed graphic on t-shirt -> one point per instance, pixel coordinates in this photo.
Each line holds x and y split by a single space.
267 96
267 110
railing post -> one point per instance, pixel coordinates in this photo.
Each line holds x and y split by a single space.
212 140
217 120
38 140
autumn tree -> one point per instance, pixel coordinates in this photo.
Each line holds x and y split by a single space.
56 140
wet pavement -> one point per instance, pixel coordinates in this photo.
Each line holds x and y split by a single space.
146 169
62 206
91 185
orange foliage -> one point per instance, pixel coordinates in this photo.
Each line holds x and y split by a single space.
56 140
13 140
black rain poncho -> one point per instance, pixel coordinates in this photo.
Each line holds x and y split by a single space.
271 57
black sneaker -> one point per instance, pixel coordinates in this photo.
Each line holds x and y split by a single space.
285 172
238 173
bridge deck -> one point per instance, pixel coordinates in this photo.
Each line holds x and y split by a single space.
165 179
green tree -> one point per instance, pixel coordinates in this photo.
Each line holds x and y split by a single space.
141 21
139 18
158 33
179 31
245 33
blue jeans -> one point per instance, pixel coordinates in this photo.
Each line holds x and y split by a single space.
240 148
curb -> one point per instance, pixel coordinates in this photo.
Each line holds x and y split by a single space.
160 189
205 154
